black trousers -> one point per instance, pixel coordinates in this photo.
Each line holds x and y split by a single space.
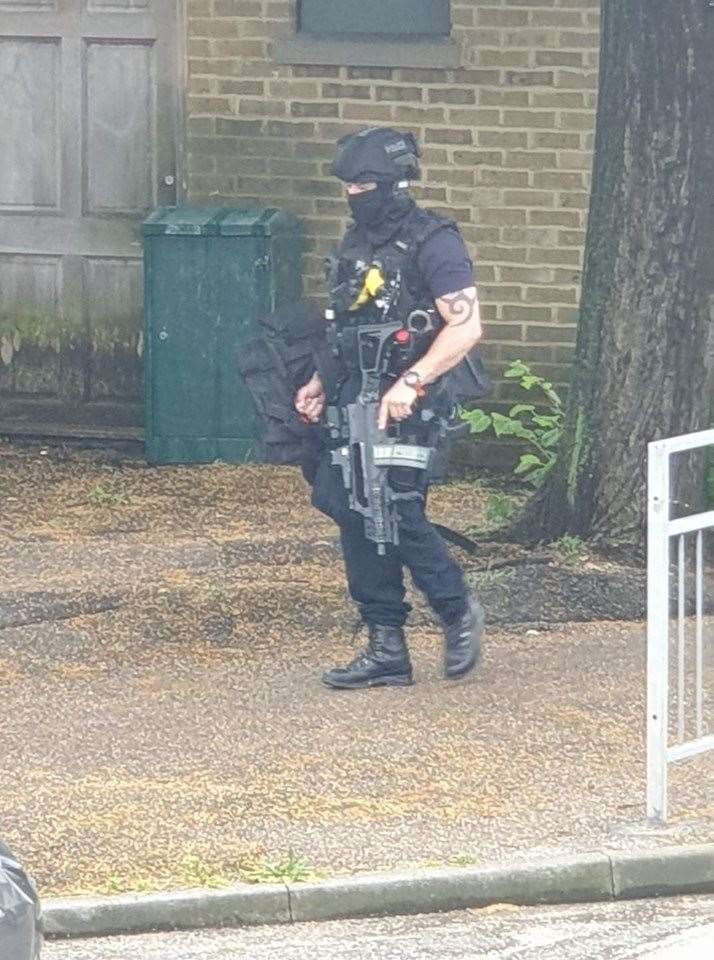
376 583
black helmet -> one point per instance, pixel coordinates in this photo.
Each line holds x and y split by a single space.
376 154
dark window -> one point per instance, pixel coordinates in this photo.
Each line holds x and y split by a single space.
385 18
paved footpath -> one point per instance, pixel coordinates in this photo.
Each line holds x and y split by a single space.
169 626
673 929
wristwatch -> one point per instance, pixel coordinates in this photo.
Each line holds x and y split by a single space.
412 379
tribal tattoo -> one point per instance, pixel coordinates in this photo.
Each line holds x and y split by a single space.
461 305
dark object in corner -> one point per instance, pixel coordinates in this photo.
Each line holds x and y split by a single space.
20 936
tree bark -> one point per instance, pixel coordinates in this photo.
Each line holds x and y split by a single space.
641 361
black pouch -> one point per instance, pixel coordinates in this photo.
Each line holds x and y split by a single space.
408 480
469 379
328 491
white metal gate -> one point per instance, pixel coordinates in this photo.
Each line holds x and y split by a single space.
660 530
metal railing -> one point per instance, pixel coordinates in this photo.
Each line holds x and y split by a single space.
660 531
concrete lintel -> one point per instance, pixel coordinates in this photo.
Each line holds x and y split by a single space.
362 52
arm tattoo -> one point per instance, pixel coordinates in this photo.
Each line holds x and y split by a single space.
461 306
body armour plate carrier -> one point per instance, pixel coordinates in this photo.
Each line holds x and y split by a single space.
465 382
275 365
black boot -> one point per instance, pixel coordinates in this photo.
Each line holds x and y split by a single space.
463 641
383 662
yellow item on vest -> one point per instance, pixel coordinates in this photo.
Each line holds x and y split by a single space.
373 283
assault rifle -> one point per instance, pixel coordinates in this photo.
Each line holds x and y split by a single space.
363 451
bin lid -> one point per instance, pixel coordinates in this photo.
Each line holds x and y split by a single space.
256 222
184 221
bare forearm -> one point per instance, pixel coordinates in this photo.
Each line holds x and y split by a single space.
451 345
461 331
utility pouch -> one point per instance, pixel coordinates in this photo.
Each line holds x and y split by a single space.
469 379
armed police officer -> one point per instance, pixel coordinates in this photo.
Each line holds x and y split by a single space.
403 309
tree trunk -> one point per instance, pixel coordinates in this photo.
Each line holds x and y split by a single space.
641 362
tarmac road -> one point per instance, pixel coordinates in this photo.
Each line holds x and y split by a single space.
668 929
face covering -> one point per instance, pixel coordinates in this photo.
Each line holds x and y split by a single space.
370 207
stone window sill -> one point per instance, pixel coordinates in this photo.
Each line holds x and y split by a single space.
367 52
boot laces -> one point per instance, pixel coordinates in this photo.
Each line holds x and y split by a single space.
364 654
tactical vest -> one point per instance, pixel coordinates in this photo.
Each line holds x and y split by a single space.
400 250
466 381
276 364
397 255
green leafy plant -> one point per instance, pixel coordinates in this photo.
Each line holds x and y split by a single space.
499 509
101 497
570 549
540 427
291 869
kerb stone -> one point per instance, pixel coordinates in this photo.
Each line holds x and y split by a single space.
242 905
666 872
567 880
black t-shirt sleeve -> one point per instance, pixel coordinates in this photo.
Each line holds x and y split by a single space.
444 263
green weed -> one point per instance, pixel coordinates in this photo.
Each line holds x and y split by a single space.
570 550
195 873
291 869
499 509
114 884
456 860
100 497
490 577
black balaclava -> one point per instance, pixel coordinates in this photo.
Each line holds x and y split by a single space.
379 213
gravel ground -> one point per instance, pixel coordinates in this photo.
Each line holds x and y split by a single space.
161 711
680 929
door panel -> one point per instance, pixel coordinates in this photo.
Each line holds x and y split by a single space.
88 137
112 296
32 292
29 124
119 120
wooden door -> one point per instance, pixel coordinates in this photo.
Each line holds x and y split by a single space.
89 128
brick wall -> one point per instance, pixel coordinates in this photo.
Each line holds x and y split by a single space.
506 138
